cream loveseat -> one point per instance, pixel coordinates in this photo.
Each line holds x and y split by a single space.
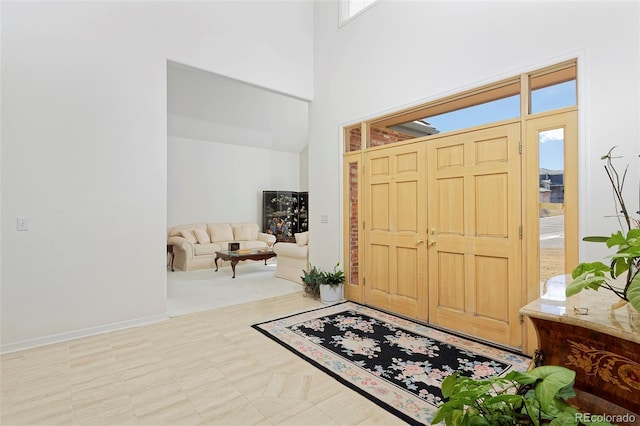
293 258
195 245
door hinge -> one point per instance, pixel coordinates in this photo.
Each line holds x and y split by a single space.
520 232
364 281
521 319
519 147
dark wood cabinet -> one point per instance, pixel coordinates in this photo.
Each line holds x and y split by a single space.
285 213
601 345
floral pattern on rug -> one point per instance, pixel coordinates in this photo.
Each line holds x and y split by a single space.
395 362
407 359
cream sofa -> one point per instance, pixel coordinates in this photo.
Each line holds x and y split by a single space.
293 258
195 245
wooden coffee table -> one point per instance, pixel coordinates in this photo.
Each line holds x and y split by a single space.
234 257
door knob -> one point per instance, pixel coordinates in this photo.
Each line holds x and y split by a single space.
431 243
420 241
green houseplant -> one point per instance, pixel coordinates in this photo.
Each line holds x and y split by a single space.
621 275
311 280
324 284
536 397
331 285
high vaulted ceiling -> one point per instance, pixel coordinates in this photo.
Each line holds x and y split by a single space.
207 106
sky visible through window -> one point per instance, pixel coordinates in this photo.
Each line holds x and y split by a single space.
545 99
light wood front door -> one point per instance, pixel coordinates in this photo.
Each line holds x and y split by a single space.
474 240
395 230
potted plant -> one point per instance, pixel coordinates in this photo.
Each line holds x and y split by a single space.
621 275
536 397
326 285
311 281
331 285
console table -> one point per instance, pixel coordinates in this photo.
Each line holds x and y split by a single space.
601 345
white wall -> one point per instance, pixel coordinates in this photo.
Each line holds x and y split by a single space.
217 182
304 169
84 146
401 53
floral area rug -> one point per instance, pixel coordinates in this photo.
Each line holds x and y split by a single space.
396 363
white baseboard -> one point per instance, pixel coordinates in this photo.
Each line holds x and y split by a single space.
63 337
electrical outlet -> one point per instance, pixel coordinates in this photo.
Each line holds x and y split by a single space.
23 224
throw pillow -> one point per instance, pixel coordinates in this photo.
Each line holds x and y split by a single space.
242 233
202 236
221 232
188 235
302 239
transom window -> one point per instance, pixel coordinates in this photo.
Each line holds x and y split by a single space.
546 90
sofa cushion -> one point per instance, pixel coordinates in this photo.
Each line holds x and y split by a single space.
202 236
188 235
220 232
175 230
302 238
252 244
243 233
253 229
209 249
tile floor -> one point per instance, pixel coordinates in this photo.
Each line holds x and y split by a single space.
207 368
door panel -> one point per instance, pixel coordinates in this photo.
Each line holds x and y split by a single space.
395 221
474 218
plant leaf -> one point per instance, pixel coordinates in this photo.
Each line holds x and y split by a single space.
633 292
595 239
533 409
616 239
443 412
608 154
523 378
554 379
513 400
478 421
585 268
582 282
448 385
564 419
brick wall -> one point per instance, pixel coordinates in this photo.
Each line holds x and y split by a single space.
353 223
380 137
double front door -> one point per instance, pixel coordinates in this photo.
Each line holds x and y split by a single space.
443 232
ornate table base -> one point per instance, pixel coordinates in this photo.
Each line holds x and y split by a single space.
607 367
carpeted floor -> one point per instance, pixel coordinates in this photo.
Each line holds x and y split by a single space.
203 289
396 363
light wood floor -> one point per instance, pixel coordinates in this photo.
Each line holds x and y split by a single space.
209 368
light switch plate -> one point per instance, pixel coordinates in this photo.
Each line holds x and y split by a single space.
23 224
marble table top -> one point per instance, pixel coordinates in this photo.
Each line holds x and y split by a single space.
588 309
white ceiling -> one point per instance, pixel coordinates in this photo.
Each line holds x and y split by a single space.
207 106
